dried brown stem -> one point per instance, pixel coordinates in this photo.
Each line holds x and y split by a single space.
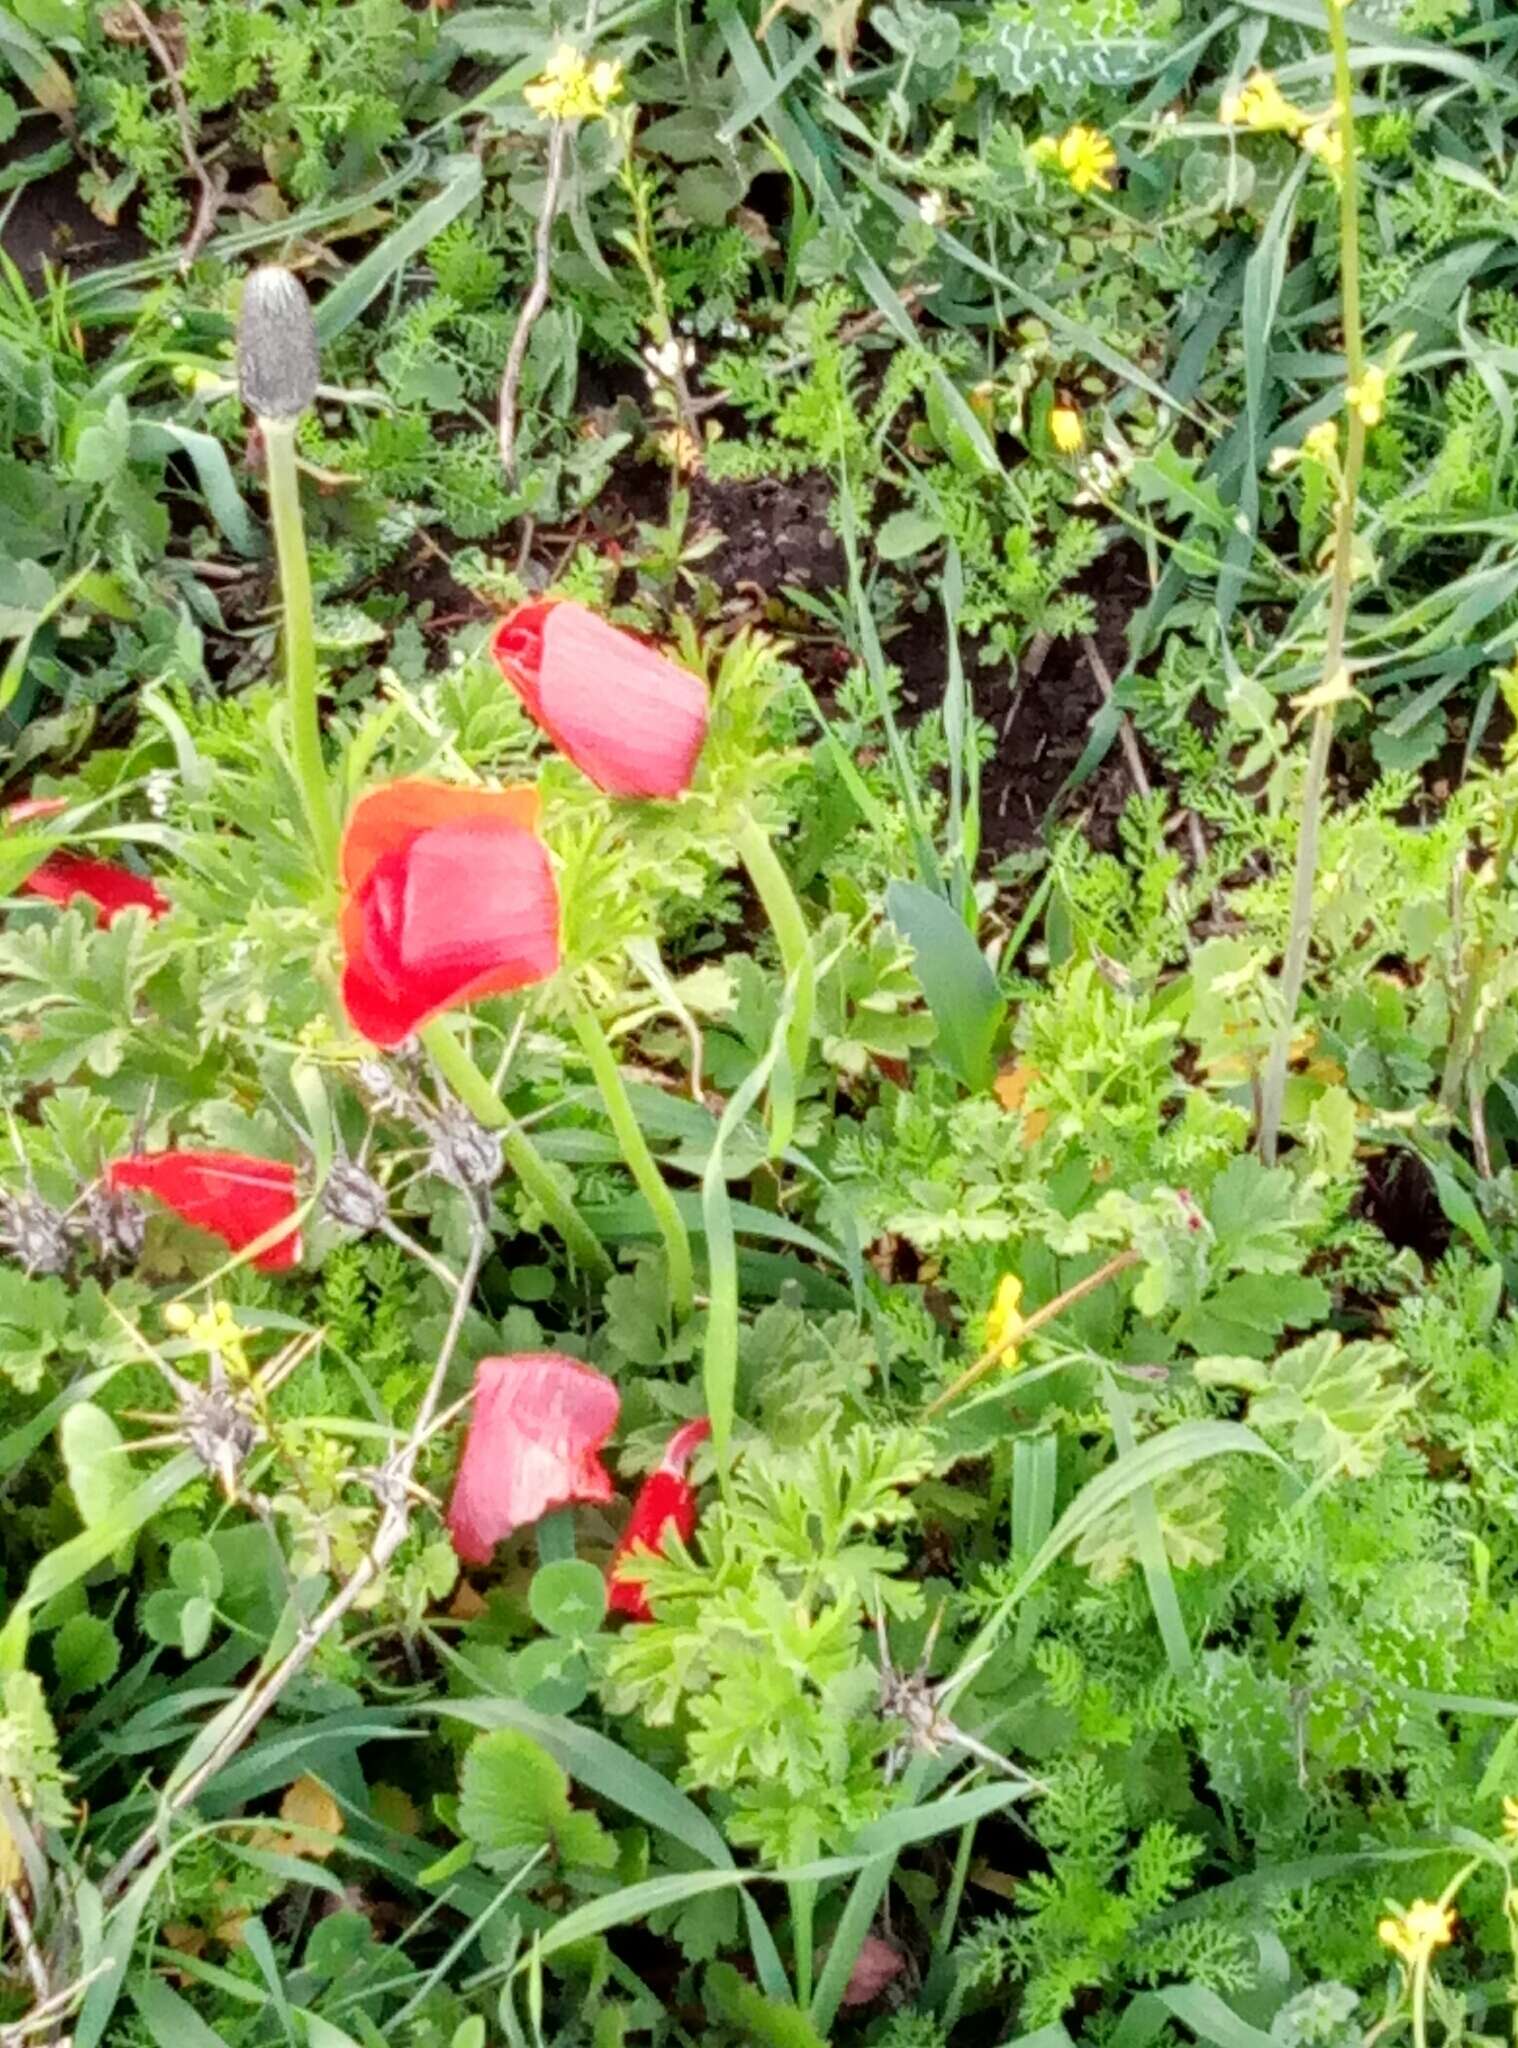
212 187
1023 1330
394 1484
535 301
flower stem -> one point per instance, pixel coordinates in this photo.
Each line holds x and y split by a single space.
300 639
773 887
524 1158
641 1163
1299 938
1119 1263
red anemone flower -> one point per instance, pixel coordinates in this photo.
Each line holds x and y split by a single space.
627 716
666 1500
539 1421
231 1194
450 898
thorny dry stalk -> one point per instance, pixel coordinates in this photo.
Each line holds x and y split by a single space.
212 188
1025 1329
26 1941
394 1488
535 301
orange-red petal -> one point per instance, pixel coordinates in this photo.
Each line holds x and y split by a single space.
110 887
666 1500
450 898
535 1434
233 1195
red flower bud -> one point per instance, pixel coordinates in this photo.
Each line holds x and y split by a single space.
666 1501
627 716
231 1194
450 898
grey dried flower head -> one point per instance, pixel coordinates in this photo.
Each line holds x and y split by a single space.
111 1223
386 1091
278 363
463 1152
353 1197
36 1232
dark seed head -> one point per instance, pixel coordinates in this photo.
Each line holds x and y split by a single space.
278 364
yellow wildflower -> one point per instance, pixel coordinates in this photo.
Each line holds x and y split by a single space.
1260 104
1510 1818
1321 442
572 90
1415 1934
216 1329
1004 1325
1368 395
1067 429
1083 155
1324 139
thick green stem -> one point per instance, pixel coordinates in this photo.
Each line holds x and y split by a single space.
300 640
641 1163
523 1157
1314 787
773 887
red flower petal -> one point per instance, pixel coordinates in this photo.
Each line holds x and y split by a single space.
627 716
539 1421
876 1965
231 1194
450 898
26 808
665 1500
112 889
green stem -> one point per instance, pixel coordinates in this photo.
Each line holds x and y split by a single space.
1314 788
773 886
803 1896
641 1163
524 1158
300 639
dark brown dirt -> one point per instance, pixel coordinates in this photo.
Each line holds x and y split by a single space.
775 534
49 223
1044 728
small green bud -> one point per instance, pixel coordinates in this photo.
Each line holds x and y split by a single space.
278 362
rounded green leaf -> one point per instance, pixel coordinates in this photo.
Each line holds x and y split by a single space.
568 1598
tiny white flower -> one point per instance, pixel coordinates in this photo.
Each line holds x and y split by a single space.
933 209
160 791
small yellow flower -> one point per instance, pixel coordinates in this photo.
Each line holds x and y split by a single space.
215 1329
572 90
1260 104
1004 1325
1416 1933
1068 429
1510 1818
179 1316
1321 442
1083 155
1368 395
1324 139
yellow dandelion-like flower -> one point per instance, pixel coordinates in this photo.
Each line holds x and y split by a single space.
1067 429
571 89
1368 395
1083 155
1004 1325
1416 1933
1260 104
1324 139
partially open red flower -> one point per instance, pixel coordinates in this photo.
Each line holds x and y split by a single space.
450 898
666 1500
538 1424
627 716
231 1194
